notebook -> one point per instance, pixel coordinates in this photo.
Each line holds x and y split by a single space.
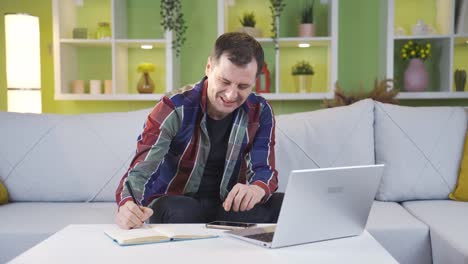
157 234
320 204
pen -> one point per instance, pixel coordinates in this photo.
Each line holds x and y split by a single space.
129 187
130 190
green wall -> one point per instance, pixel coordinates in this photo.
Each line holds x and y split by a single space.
358 54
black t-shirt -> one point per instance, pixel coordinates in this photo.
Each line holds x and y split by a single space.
218 131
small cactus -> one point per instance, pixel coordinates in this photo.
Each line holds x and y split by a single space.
460 80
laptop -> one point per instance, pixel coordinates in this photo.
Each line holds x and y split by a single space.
320 204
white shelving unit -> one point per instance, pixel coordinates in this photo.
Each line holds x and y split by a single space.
330 42
446 43
113 59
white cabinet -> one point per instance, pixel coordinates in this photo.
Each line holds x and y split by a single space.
322 52
133 23
427 21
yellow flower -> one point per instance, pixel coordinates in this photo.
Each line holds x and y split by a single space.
145 67
415 49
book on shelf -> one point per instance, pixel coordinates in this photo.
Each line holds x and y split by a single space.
157 234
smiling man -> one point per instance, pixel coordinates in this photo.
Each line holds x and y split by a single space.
207 151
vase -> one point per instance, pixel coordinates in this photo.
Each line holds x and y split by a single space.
460 80
416 77
303 83
306 30
145 84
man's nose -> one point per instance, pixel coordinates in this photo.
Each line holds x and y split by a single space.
231 93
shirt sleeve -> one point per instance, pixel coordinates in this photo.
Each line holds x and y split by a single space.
262 157
153 144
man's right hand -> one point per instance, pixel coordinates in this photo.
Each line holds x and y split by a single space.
131 215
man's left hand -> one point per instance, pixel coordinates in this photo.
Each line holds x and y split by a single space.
243 197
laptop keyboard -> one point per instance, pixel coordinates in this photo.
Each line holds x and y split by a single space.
265 237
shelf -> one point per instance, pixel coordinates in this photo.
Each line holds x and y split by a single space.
136 43
87 42
109 97
448 50
155 97
423 37
313 42
432 95
321 53
133 23
297 96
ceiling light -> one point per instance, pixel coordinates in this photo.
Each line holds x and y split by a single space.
147 46
304 45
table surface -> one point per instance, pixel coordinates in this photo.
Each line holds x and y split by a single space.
89 244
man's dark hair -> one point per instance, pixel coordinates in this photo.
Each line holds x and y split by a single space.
240 49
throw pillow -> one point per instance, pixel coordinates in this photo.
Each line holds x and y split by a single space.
3 194
339 136
421 148
461 191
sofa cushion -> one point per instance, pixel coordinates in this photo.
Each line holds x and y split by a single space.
461 190
341 136
447 222
67 157
26 224
421 148
397 231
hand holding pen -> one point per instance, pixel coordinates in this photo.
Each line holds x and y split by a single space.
132 214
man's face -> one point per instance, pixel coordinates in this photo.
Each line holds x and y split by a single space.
229 85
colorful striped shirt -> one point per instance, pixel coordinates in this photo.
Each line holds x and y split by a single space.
174 146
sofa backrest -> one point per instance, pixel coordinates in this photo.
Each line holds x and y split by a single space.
340 136
52 157
421 147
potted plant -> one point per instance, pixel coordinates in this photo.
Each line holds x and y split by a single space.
276 7
248 23
172 19
307 27
416 77
302 72
145 84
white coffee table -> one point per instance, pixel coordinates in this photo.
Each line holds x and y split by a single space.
88 244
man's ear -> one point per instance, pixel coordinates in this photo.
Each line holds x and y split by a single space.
209 66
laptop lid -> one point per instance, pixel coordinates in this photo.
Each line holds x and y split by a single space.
326 203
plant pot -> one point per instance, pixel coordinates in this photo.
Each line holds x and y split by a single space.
416 77
303 83
254 32
306 30
145 84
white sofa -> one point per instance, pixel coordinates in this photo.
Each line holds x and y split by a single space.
63 169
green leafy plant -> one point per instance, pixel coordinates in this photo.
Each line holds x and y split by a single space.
302 68
248 19
307 13
276 7
413 49
383 91
172 19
